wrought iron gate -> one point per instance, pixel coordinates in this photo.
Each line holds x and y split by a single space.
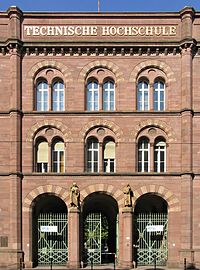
52 245
151 238
93 238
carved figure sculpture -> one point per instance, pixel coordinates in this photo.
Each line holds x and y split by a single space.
74 195
128 194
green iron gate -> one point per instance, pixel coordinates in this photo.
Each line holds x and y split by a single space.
52 238
151 238
93 238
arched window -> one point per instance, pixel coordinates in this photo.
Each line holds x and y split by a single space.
143 155
92 155
42 157
160 155
92 96
109 156
58 96
143 96
109 96
42 96
58 156
159 96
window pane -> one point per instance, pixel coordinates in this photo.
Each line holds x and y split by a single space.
162 167
95 156
140 156
112 165
95 167
146 167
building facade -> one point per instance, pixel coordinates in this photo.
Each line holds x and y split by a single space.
100 126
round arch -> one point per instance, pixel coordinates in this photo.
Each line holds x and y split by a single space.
155 64
49 64
110 190
101 64
170 198
101 123
153 123
58 191
49 123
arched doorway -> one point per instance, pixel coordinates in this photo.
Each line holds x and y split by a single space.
151 230
50 231
100 229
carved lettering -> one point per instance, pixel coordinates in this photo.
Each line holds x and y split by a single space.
88 30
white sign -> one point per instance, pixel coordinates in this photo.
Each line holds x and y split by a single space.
48 228
155 228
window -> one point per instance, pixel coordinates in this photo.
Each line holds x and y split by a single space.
92 96
100 90
49 155
151 152
42 96
49 91
92 155
151 90
143 155
159 96
109 96
109 156
42 157
58 157
58 96
159 156
143 96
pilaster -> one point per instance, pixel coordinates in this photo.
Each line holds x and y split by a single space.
126 257
73 238
186 229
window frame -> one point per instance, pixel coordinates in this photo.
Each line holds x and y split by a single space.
110 92
58 101
141 152
157 152
109 160
42 91
93 100
91 152
142 103
58 161
159 91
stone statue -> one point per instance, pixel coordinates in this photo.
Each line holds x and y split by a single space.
128 194
74 195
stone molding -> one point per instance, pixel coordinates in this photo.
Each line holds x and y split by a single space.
49 64
49 123
98 64
101 123
153 123
154 64
172 201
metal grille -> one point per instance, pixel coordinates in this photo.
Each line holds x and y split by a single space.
152 243
53 246
93 238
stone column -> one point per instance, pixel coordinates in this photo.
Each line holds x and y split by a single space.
187 15
186 87
186 229
73 238
15 159
126 246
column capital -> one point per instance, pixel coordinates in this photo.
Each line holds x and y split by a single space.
74 210
127 210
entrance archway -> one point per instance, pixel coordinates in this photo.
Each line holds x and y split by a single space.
151 230
100 229
50 231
